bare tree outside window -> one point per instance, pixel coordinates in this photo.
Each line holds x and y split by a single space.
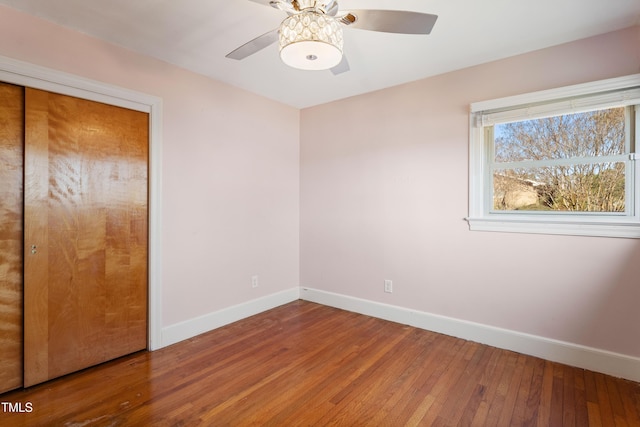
560 163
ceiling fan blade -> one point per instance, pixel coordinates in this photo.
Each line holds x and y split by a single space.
391 21
342 67
254 45
332 8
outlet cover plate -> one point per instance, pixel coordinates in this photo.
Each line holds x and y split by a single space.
388 286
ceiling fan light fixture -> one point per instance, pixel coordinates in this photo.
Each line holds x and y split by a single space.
310 40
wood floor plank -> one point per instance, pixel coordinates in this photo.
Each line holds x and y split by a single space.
398 368
412 403
630 400
404 385
606 411
514 386
582 415
613 394
594 414
557 398
568 398
477 407
524 391
546 396
490 382
307 364
442 389
467 390
501 390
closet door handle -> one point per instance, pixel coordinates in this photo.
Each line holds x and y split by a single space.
34 249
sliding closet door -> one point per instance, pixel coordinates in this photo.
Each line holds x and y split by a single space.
11 155
85 241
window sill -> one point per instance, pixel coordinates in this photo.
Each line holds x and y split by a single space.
532 225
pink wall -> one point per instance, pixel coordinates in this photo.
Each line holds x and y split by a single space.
230 185
385 197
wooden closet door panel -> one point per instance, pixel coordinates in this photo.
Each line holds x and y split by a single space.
35 231
11 167
86 285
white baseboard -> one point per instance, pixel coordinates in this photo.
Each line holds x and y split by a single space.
593 359
199 325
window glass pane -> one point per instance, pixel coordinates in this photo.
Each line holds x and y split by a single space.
590 134
594 187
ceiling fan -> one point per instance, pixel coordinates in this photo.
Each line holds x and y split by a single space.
310 38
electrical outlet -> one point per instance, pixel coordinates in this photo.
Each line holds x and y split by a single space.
388 286
254 281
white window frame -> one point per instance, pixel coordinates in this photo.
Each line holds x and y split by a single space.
576 98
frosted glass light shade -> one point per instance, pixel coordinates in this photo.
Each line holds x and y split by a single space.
310 41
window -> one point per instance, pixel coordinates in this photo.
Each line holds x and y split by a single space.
561 161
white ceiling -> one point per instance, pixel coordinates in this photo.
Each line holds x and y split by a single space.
197 34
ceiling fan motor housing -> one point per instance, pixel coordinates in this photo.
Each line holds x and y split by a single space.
323 6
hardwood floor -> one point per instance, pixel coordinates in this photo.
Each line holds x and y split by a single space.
304 364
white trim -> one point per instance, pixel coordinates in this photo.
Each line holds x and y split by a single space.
34 76
357 305
477 166
566 228
616 364
208 322
620 98
600 86
155 225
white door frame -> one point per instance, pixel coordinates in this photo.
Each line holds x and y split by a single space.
37 77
